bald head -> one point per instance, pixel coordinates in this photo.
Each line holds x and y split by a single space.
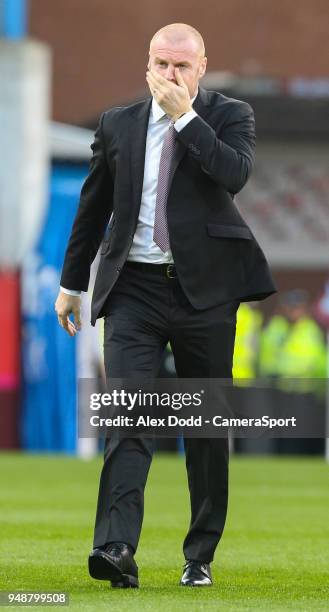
179 46
178 34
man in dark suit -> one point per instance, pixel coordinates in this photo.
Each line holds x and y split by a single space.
176 261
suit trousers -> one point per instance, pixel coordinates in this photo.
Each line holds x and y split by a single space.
144 311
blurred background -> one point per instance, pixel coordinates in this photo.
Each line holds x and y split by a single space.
61 65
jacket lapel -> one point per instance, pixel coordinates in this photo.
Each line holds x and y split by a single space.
137 141
200 105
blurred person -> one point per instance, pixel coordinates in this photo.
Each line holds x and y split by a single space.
303 353
321 309
175 266
293 353
245 369
247 339
272 338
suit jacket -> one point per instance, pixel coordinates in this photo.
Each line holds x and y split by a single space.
216 254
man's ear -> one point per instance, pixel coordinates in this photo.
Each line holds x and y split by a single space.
203 68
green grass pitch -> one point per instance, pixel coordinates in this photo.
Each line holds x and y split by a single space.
274 554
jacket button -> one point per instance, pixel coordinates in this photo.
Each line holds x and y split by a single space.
194 149
118 270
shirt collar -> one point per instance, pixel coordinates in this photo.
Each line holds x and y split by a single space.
158 112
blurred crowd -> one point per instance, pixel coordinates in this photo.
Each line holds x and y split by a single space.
291 344
285 356
290 352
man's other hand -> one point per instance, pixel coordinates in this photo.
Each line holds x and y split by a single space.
64 306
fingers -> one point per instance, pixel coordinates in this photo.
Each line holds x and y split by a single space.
173 97
159 83
66 324
156 79
179 78
64 306
77 318
72 330
155 86
151 83
158 91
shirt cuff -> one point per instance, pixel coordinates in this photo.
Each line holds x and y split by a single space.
70 291
184 120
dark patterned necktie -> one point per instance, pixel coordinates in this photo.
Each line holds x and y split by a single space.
160 230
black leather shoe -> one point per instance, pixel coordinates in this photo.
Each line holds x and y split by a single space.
116 563
196 573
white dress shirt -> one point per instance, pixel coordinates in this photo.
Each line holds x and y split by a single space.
143 247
